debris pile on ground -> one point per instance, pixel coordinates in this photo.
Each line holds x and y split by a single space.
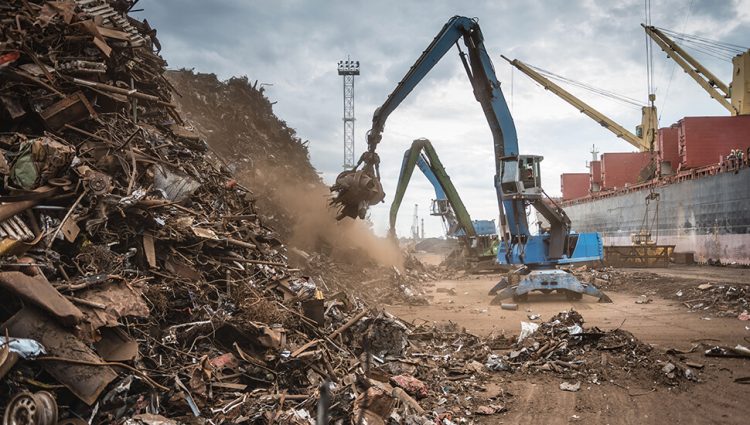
237 120
563 346
368 280
720 299
723 299
448 361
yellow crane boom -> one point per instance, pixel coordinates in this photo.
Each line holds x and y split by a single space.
716 88
644 141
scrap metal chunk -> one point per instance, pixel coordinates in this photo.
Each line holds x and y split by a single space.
70 110
86 382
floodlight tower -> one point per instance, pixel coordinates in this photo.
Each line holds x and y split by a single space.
348 69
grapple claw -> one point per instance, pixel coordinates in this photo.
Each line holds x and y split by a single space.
354 192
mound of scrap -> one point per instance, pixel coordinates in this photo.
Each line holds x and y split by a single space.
586 356
140 284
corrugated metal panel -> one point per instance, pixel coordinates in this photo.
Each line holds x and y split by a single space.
705 140
574 185
668 146
622 168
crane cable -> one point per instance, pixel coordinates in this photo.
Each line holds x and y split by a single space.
718 49
596 90
674 64
649 52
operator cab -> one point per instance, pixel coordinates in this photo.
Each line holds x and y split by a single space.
524 178
439 207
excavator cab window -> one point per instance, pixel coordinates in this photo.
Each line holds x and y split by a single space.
529 172
439 207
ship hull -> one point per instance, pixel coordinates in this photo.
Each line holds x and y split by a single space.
708 216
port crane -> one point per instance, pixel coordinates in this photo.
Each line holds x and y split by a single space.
645 133
734 97
478 237
517 177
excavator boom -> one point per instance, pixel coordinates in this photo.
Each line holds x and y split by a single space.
433 169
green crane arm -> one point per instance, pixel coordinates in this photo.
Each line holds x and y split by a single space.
411 157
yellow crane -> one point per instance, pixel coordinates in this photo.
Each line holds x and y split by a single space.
646 132
734 97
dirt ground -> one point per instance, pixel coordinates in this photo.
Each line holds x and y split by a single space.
664 323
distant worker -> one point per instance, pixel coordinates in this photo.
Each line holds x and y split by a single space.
740 158
732 159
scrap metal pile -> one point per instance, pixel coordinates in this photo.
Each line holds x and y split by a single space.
719 299
563 346
372 283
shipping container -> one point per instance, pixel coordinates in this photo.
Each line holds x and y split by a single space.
574 185
595 175
669 157
620 169
705 140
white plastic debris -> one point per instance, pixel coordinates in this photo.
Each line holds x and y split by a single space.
133 199
496 363
527 328
567 386
575 329
742 349
28 349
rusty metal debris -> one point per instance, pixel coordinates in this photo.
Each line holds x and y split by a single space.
562 346
719 299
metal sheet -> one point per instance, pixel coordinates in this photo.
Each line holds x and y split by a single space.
86 382
38 291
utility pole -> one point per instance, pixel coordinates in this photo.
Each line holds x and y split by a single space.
348 69
415 223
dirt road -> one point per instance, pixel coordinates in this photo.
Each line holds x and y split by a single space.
662 323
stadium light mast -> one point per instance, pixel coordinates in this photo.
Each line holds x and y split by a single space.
348 69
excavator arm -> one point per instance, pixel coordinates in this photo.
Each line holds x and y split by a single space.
456 215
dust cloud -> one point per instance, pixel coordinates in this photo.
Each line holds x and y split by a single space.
311 223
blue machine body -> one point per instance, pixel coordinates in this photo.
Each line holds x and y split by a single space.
588 247
485 227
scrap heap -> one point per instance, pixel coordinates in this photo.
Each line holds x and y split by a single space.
140 285
563 346
710 298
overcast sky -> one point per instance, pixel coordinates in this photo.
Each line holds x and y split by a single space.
295 45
